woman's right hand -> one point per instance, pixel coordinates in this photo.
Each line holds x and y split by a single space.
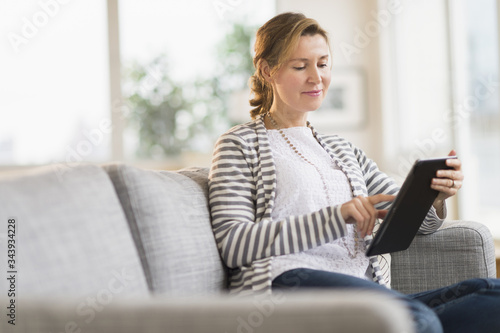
361 210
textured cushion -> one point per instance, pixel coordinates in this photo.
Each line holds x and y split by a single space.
72 235
459 250
168 213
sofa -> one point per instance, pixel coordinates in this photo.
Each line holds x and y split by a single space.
116 248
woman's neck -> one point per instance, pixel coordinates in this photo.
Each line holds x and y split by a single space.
286 119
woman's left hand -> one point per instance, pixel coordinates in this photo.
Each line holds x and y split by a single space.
448 182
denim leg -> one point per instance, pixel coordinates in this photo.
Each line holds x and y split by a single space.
469 306
426 321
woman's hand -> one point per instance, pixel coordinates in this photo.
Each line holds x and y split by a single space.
361 211
448 182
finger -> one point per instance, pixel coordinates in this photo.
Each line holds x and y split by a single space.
370 218
363 207
449 191
451 174
444 182
382 213
440 184
350 213
378 198
355 217
454 163
445 190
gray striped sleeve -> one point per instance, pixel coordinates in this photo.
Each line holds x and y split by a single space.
233 204
378 182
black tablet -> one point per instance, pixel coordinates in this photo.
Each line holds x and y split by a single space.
409 209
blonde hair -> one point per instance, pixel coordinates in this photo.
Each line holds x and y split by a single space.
275 42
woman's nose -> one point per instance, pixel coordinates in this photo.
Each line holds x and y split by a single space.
315 75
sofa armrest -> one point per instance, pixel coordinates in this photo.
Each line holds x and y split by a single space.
284 312
459 250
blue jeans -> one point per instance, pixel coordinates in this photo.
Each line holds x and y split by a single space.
469 306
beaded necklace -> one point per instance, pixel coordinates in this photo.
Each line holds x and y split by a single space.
321 176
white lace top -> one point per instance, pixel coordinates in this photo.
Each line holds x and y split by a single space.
300 190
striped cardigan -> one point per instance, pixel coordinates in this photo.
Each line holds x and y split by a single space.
242 188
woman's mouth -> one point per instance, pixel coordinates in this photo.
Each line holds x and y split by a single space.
313 93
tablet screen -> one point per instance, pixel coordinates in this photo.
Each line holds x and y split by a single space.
409 209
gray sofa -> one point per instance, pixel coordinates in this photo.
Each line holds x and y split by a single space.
114 248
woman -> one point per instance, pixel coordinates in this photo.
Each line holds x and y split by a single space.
292 208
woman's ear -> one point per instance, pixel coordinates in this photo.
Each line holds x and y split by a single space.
265 70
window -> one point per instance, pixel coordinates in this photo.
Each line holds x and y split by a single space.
54 82
181 69
420 87
440 65
476 119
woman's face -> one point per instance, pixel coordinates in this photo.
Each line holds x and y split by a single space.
300 85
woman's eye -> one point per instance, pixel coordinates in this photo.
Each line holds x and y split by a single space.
323 65
299 68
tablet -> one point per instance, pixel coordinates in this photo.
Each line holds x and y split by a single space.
409 208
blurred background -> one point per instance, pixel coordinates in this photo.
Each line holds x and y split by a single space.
154 83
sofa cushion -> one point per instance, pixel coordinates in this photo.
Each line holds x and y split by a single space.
458 251
168 213
72 234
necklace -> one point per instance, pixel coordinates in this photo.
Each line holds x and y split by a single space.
321 176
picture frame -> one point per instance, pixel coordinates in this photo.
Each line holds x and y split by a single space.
344 106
